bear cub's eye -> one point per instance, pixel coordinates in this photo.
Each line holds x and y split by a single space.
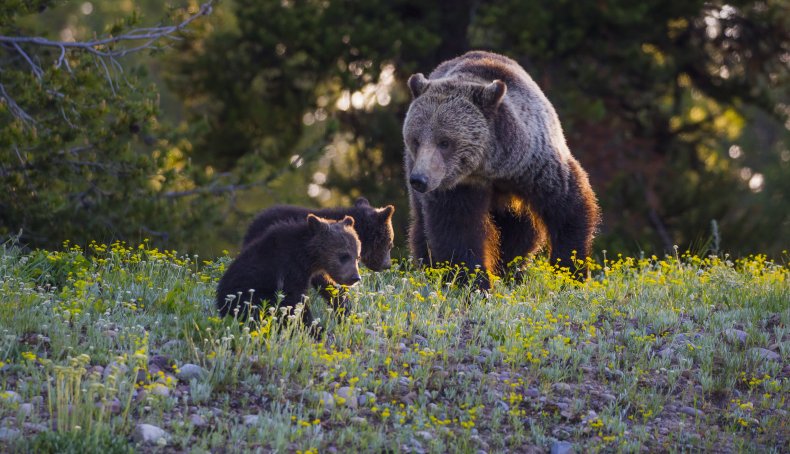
345 258
444 144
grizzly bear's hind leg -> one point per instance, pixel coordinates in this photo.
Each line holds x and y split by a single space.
519 234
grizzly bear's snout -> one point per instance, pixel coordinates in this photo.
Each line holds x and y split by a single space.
419 182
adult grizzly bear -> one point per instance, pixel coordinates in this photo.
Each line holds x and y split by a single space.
488 168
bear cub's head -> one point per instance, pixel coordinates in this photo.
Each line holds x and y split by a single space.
447 130
335 248
374 227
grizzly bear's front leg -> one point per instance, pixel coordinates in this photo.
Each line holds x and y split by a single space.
459 230
418 241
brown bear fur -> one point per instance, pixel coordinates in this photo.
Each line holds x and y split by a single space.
490 175
373 226
284 259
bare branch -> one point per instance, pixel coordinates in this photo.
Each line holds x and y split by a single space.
100 47
14 107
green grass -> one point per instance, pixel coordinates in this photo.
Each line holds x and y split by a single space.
641 356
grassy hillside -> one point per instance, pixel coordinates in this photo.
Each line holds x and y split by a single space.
679 353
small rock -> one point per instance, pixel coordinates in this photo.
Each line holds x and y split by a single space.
409 398
420 340
37 400
764 353
98 370
159 389
404 383
736 335
532 392
161 362
561 387
608 397
147 433
172 344
666 352
328 400
197 421
561 447
26 410
8 434
251 420
114 406
113 367
189 371
359 420
35 428
348 395
110 333
366 399
425 435
10 397
503 405
691 411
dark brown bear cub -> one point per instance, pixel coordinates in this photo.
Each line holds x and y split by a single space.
284 259
373 225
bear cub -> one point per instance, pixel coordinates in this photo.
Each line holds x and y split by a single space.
373 226
284 260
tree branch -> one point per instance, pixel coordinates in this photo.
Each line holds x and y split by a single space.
101 49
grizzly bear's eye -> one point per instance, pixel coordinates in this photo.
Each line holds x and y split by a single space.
444 144
415 144
344 258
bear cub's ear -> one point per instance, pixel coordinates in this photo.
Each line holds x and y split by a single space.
417 84
386 212
348 221
317 224
493 94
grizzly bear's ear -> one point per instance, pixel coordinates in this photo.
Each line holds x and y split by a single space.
316 224
492 94
348 221
361 202
417 84
386 212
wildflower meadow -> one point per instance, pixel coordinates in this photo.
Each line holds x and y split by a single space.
117 348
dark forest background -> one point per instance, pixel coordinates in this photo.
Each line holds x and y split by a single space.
679 110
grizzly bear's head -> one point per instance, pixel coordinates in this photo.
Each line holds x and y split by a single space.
447 130
374 227
335 248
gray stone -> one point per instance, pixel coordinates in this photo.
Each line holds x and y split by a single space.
251 420
425 435
532 392
118 369
187 372
562 447
26 410
8 434
148 433
366 399
349 396
666 352
328 400
561 387
608 397
764 353
197 421
10 397
359 420
686 410
159 389
736 335
173 344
